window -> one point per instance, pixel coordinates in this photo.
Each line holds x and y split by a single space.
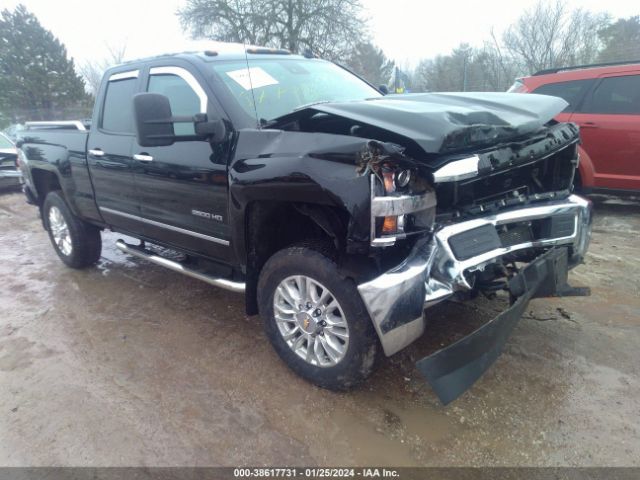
184 101
117 112
616 95
572 92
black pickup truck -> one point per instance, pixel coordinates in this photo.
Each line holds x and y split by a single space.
342 214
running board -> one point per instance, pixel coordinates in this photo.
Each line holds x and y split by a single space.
140 252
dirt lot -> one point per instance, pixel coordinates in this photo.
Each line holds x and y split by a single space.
129 364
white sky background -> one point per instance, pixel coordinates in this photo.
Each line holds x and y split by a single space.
407 30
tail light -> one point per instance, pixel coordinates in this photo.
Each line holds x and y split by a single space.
19 159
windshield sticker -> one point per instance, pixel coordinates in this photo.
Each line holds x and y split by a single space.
253 77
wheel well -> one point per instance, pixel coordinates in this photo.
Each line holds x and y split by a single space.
272 226
44 182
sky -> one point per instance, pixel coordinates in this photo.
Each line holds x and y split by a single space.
407 30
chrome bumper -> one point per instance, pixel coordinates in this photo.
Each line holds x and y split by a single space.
434 270
10 177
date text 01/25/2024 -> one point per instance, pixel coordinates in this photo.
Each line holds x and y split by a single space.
315 473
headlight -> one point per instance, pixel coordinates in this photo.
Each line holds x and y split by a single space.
396 216
402 178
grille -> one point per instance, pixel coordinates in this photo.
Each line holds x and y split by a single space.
516 235
541 179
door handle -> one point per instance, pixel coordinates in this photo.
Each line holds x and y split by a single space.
589 125
96 152
143 157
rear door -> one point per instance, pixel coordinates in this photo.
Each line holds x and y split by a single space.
109 148
609 122
183 187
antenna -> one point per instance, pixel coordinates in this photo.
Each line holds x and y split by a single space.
246 59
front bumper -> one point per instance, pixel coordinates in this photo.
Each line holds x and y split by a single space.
453 369
444 264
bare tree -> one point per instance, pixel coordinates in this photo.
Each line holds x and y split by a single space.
92 72
499 68
328 28
549 35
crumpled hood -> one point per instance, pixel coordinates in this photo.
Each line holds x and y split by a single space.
447 122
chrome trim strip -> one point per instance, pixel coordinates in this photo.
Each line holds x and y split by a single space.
238 287
393 206
124 75
75 123
187 77
164 225
457 170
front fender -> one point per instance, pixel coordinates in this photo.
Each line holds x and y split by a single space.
299 167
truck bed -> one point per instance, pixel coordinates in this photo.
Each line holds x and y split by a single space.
48 150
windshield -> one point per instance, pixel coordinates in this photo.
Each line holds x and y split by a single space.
517 87
283 85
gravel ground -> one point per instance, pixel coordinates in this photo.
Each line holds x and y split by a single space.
128 364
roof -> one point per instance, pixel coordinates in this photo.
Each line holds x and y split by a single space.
210 51
584 67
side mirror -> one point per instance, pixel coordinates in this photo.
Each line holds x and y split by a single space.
154 123
153 119
383 89
214 130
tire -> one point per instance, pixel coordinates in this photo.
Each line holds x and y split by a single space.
77 243
358 354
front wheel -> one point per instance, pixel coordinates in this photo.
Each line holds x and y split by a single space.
77 243
315 318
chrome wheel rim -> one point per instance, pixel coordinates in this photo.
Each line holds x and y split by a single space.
60 231
311 321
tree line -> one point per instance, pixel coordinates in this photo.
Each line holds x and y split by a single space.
548 35
38 80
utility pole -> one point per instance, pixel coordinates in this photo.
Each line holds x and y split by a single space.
464 73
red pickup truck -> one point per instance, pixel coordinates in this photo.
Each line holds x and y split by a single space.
604 100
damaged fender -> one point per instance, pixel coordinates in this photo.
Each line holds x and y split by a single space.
306 168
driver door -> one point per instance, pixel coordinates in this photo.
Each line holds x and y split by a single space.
183 187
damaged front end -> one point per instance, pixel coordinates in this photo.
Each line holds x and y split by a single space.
502 218
452 260
467 193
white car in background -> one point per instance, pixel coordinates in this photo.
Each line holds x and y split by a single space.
10 176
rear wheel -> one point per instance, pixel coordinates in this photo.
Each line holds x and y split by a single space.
77 243
315 318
